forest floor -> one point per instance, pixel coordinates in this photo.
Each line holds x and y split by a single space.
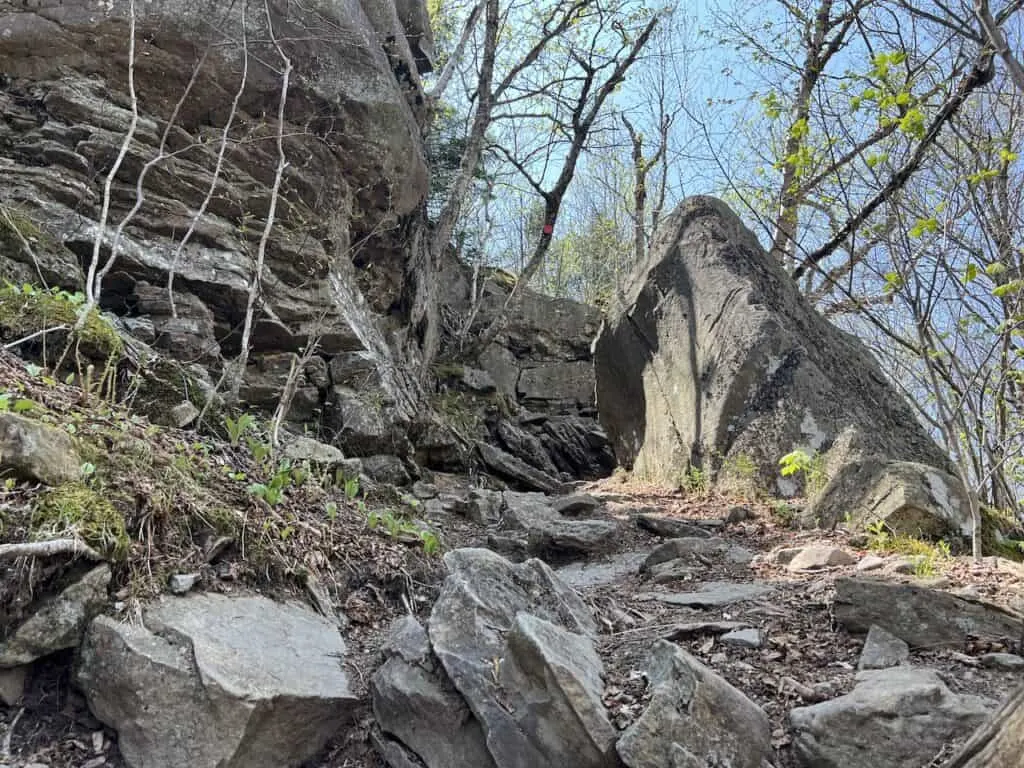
805 657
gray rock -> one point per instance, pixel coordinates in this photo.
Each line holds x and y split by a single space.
314 451
517 470
59 621
692 629
744 638
572 381
515 642
214 680
501 364
924 618
478 380
424 491
714 352
547 531
355 370
415 703
575 505
386 469
893 718
816 558
12 684
593 573
31 450
183 414
1002 660
694 719
784 555
479 505
882 650
712 594
526 446
671 528
870 563
363 425
182 583
698 551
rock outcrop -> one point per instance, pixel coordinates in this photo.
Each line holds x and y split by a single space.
714 361
213 680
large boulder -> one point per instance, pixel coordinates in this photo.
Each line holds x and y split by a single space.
518 645
695 718
714 360
213 680
893 718
31 450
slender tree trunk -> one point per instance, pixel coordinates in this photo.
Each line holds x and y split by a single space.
999 743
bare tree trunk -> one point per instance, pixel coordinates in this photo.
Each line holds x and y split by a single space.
640 169
425 312
996 38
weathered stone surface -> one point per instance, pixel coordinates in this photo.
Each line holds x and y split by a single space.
578 446
517 470
351 135
711 594
744 638
698 551
415 703
516 642
592 573
893 718
547 531
816 558
670 527
362 426
390 470
695 719
558 381
1002 660
575 504
182 583
59 621
715 355
213 680
308 449
526 446
882 650
30 450
924 618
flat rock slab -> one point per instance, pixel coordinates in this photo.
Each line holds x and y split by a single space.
698 551
35 451
517 643
517 470
671 527
693 629
591 573
924 618
711 595
817 558
893 718
695 718
213 680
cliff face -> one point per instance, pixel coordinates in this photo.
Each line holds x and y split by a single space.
208 79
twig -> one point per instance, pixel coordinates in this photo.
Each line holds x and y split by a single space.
48 549
10 734
44 331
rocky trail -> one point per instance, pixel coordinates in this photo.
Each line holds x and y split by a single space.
769 609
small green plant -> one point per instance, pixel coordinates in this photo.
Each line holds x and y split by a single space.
351 488
695 481
924 555
236 428
782 511
397 527
331 510
811 465
260 450
273 491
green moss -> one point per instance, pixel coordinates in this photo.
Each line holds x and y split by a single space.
449 370
26 310
1001 534
76 509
